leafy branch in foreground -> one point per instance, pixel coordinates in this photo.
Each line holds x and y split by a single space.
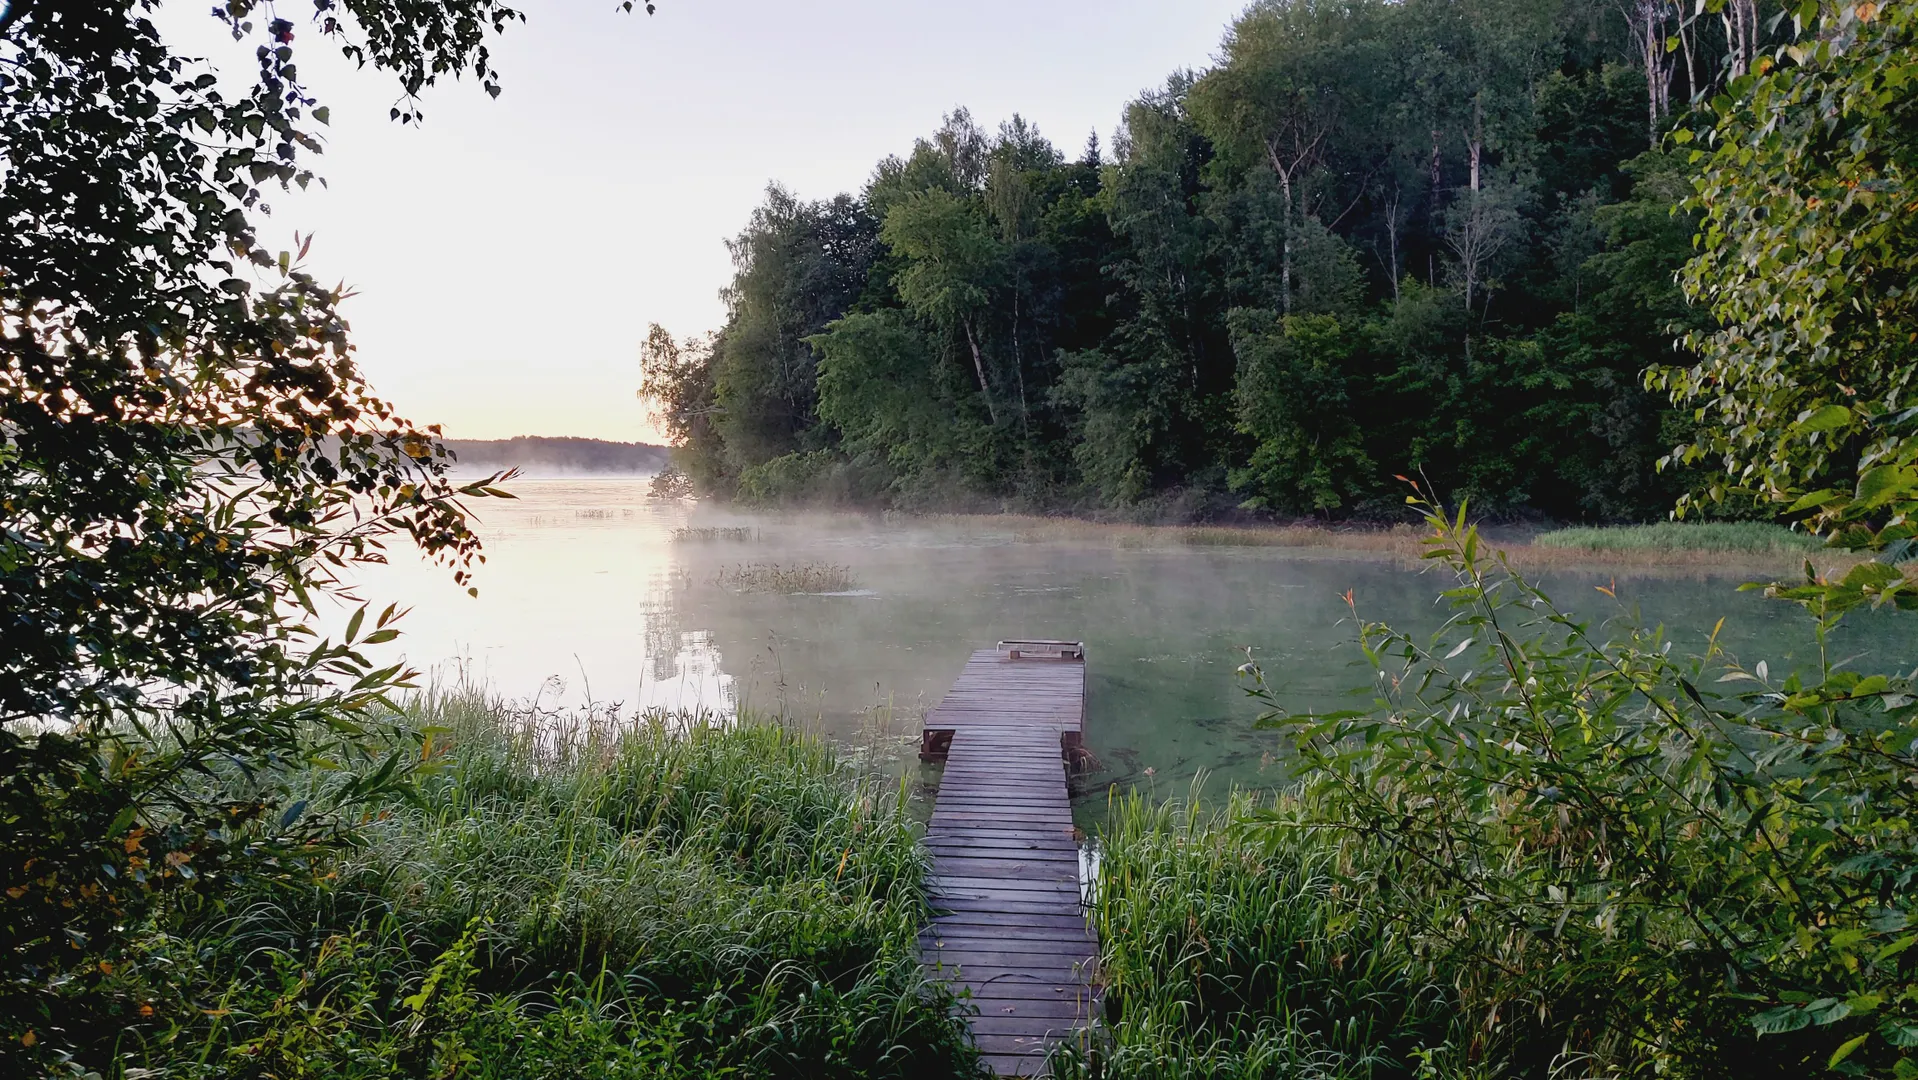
1647 862
189 461
1805 256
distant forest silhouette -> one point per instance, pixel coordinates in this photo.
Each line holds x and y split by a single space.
536 455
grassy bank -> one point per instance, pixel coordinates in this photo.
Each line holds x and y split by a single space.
1239 952
1683 547
1674 538
1686 548
667 900
1255 937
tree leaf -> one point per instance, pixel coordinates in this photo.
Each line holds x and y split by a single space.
1829 418
1845 1049
1783 1019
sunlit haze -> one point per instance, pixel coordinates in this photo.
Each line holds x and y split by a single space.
509 254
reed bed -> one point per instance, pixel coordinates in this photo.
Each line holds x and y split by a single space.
789 579
714 535
668 896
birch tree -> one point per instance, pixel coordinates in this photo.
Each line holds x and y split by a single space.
1288 82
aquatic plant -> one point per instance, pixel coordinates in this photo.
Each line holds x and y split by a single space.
706 535
779 578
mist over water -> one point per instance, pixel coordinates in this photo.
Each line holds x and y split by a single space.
585 594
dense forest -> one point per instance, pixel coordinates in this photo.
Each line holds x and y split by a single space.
1377 238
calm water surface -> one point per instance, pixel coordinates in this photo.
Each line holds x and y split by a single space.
585 594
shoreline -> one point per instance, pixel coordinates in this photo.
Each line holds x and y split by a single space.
1402 543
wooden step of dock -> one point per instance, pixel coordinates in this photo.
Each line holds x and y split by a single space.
1008 929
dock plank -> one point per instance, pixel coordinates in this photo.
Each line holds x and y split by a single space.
1008 932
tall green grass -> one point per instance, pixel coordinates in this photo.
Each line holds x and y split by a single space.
1672 537
1231 951
666 898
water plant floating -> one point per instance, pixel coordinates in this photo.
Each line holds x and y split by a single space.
791 580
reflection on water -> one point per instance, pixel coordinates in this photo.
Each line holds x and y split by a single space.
580 600
586 596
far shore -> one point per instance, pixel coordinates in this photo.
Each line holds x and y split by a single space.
1406 542
1403 542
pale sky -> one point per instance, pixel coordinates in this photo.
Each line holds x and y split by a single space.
509 254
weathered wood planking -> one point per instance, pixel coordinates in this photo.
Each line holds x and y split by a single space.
1008 927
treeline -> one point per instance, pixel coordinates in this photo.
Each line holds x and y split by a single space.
1378 238
535 454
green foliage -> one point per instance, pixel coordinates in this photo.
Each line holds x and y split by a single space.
798 477
1625 307
800 266
1293 399
1167 355
1642 862
665 897
950 259
189 461
1805 261
677 379
1111 405
894 410
1621 861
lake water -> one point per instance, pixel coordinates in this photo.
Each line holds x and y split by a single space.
586 595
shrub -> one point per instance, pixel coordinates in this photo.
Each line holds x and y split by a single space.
670 483
1640 863
797 477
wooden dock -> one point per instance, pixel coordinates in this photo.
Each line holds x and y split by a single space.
1008 924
